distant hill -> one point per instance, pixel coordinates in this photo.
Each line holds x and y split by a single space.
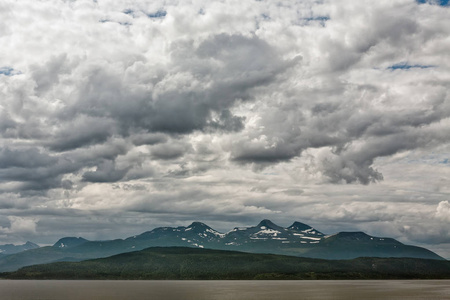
13 249
299 239
69 242
197 263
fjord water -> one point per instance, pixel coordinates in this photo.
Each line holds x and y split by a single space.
223 290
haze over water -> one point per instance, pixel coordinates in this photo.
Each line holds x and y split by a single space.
221 290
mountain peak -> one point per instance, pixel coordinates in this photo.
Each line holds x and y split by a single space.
68 242
265 222
299 226
31 244
351 236
199 225
268 224
304 228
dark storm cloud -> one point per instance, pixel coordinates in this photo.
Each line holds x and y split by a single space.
47 75
105 106
228 65
24 158
168 151
67 184
355 164
293 192
384 134
342 170
356 136
32 179
324 108
105 172
259 153
81 132
231 64
6 122
32 169
35 170
285 133
148 139
227 122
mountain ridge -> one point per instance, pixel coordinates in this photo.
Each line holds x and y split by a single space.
299 239
9 249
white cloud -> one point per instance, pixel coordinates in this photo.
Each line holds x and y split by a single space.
20 226
443 211
228 111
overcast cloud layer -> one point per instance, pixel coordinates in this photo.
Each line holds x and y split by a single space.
120 116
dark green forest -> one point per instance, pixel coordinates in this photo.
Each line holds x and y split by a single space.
192 263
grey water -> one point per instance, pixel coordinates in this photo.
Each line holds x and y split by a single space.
221 290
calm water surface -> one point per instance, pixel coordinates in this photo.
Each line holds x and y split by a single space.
221 290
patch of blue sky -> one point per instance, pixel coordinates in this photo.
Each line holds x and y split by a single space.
406 66
435 2
8 71
417 158
314 20
265 16
432 159
111 21
155 15
318 18
159 14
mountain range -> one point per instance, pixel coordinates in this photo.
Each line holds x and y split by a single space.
296 240
12 249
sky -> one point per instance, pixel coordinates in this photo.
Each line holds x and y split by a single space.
117 117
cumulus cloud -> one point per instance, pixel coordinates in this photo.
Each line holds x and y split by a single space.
226 97
443 211
19 225
24 158
105 172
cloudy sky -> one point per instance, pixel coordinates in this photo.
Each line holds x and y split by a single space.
120 116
